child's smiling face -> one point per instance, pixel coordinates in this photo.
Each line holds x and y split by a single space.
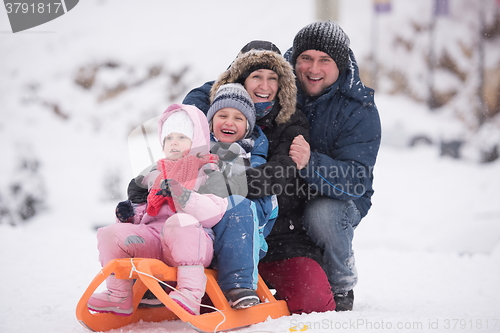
229 125
176 146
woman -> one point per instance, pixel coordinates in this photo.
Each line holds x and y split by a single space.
270 81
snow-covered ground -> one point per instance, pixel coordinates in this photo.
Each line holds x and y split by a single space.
428 256
428 253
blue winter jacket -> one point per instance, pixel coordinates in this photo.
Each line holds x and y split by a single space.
345 139
266 206
260 148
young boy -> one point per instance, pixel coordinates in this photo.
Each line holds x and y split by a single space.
240 145
174 224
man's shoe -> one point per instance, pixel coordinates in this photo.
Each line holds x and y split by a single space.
241 298
149 300
344 301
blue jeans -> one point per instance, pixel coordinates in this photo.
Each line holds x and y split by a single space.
239 241
330 223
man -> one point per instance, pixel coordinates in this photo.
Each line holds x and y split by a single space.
338 162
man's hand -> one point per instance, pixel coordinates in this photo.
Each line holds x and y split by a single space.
300 152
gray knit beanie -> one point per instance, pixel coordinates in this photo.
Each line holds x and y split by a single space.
326 37
234 95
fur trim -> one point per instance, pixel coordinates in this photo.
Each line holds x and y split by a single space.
287 92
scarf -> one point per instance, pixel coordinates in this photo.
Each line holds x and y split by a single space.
185 171
263 108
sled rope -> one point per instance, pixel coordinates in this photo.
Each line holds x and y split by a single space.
134 269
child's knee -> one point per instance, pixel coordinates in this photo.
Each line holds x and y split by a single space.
179 227
181 220
115 233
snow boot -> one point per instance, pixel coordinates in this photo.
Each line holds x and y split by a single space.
191 283
344 301
241 298
117 299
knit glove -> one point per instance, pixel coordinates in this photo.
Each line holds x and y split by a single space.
164 188
222 186
179 193
137 192
215 184
125 211
231 161
227 152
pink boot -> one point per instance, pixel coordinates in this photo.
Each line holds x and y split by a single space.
191 283
117 299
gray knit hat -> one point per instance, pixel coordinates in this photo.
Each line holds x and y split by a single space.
234 95
326 37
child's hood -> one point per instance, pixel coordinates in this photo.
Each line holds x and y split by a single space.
201 133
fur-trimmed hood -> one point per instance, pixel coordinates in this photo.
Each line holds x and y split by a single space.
287 92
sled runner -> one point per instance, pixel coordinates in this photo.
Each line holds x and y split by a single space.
144 271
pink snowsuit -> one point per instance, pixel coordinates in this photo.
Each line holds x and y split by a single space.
179 238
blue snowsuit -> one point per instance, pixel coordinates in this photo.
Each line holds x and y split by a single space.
249 220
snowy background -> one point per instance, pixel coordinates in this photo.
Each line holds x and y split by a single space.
73 90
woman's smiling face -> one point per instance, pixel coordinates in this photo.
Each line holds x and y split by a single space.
262 85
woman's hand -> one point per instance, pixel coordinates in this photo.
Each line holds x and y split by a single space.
300 151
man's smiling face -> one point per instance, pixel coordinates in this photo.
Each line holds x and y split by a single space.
315 71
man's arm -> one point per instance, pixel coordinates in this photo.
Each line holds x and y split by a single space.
347 172
199 97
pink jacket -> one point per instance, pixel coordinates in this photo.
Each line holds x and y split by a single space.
208 209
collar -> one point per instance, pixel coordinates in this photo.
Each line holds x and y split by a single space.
303 98
263 108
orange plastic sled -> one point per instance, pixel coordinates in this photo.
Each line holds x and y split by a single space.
226 318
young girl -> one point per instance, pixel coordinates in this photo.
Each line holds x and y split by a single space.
174 225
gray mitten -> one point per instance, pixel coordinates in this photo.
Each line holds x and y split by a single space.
215 184
219 184
227 152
